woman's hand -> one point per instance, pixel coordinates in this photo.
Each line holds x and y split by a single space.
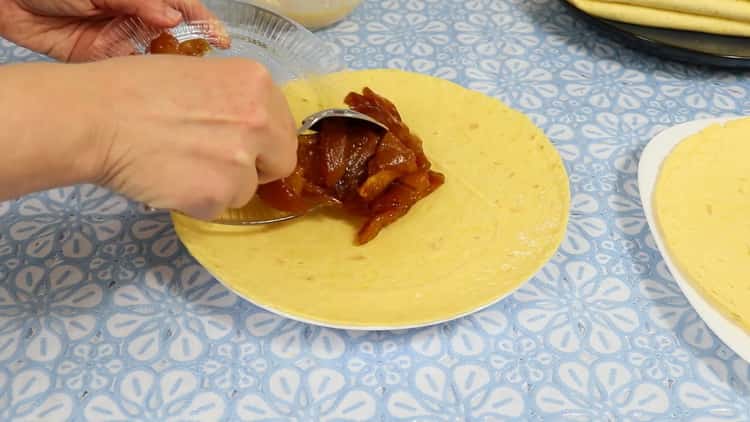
196 135
68 30
191 134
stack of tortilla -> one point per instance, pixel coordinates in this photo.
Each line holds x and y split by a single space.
723 17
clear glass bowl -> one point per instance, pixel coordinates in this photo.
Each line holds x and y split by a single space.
313 14
288 49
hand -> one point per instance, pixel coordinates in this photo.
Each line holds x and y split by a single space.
195 135
68 30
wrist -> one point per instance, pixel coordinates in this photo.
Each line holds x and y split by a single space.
92 133
76 106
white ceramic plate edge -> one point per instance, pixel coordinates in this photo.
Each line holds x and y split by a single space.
649 167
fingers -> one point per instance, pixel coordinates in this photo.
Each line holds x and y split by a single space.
206 212
154 12
168 13
247 184
192 10
275 168
278 159
214 192
195 10
278 156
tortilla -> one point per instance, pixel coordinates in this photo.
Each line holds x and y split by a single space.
500 216
701 202
724 17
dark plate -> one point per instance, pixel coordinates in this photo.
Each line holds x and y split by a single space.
684 46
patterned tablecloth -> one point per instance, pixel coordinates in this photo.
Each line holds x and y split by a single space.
104 315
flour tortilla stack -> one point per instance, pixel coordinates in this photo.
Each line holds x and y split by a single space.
723 17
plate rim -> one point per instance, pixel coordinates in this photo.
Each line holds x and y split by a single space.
654 154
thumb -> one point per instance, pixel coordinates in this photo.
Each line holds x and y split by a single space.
192 10
168 13
195 10
159 13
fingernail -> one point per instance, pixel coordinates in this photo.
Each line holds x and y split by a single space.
173 14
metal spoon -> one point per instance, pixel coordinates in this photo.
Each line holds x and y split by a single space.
311 122
256 213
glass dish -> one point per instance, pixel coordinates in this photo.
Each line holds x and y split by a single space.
288 49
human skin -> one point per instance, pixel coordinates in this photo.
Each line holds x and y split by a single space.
191 134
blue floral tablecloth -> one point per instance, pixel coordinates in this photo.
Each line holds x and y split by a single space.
105 316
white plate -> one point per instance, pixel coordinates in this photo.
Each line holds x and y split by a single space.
648 170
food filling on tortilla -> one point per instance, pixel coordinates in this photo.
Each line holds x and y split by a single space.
352 165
